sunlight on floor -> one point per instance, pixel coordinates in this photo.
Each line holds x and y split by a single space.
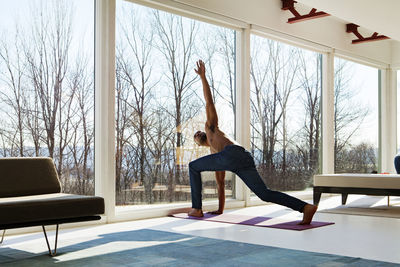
113 247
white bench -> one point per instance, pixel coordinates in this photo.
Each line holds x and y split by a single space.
346 183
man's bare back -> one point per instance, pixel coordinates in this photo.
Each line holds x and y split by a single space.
217 139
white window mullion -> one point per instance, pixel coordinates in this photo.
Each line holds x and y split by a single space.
328 117
243 102
388 119
104 104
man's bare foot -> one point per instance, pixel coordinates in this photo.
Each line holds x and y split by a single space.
308 213
196 213
179 210
216 212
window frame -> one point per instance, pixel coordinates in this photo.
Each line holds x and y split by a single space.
104 61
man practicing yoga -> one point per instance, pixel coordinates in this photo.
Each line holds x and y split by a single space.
227 155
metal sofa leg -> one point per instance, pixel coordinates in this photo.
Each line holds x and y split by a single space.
344 198
316 197
51 254
2 236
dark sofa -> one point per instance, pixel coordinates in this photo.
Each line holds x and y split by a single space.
30 195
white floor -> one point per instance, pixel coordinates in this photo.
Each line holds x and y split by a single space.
368 237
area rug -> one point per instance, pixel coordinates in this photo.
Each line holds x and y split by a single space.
158 248
254 221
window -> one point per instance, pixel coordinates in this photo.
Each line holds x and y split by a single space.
356 117
285 113
159 102
46 86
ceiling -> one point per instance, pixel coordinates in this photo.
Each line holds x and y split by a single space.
376 16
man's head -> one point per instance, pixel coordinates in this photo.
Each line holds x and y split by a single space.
200 138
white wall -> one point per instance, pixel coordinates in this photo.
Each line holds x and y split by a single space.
396 55
327 31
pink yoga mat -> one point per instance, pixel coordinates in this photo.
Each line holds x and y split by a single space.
255 221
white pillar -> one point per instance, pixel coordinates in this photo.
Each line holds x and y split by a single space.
328 115
388 119
242 102
104 104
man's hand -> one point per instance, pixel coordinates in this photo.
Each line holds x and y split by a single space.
201 69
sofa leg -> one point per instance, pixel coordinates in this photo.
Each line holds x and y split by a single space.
51 254
344 198
2 236
317 197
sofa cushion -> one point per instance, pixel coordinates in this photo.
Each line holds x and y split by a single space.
48 207
28 176
382 181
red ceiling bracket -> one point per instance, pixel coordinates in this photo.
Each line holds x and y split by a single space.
351 27
289 5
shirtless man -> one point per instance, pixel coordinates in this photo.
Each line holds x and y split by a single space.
228 155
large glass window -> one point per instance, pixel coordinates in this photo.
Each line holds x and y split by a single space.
46 86
285 113
356 117
160 105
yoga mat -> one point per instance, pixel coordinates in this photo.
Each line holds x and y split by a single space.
255 221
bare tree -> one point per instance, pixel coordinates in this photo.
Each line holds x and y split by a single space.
348 115
135 66
357 159
4 144
176 42
14 97
33 123
259 79
273 81
310 84
287 81
160 138
82 140
47 58
228 52
123 128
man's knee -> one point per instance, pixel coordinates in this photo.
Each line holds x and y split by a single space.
192 165
263 194
268 195
265 197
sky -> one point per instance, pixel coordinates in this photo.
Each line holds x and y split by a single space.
365 79
83 18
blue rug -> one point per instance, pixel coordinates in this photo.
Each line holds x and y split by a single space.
159 248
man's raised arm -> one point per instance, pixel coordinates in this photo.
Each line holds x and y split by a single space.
212 118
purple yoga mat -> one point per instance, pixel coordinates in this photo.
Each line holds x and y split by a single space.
255 221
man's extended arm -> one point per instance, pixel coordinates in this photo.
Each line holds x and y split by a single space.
212 118
220 176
